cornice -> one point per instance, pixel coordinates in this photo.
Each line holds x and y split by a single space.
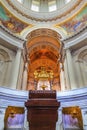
39 17
43 32
11 38
13 93
77 39
9 97
74 97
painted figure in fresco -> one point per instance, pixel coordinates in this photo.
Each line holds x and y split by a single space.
70 121
74 121
15 121
10 22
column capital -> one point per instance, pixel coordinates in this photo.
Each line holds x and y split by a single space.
19 49
70 68
62 66
68 49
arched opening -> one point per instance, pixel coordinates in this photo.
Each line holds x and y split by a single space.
43 51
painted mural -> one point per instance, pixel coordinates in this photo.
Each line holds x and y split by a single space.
72 118
75 24
10 22
14 118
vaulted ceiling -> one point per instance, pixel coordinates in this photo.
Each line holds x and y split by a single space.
43 50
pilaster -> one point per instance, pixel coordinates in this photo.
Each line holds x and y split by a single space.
71 72
67 80
25 76
15 70
62 79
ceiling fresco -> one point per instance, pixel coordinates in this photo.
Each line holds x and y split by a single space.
10 22
68 27
74 24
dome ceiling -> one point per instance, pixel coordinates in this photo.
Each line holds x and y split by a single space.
21 21
63 7
44 5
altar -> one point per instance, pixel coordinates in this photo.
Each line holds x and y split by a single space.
42 110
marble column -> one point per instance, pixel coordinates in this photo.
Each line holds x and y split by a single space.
70 68
62 79
45 7
84 117
2 114
20 75
83 69
59 124
66 75
79 74
26 125
60 3
27 3
15 70
25 76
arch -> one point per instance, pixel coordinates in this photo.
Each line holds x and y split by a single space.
83 55
28 30
43 47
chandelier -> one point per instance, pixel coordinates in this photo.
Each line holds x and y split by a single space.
43 74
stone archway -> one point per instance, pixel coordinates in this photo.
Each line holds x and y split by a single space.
43 51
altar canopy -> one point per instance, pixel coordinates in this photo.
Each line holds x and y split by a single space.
44 78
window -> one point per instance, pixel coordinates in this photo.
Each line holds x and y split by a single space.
21 1
35 5
67 1
52 5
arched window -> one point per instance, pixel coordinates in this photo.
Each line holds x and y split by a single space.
35 5
67 1
52 5
21 1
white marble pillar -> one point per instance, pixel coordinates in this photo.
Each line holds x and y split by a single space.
27 3
83 69
26 124
15 70
62 78
21 69
25 76
70 68
79 74
67 81
59 123
44 6
2 115
84 117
